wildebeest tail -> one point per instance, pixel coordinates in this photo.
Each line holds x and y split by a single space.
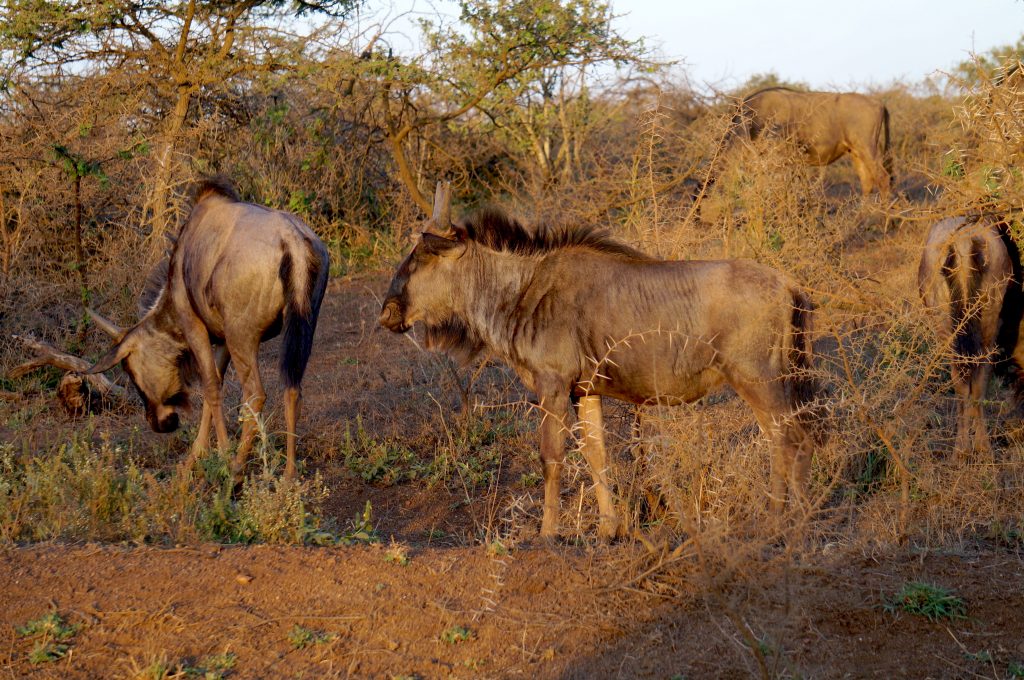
1010 316
886 156
304 277
963 279
801 349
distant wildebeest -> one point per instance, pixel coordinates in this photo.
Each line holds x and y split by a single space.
579 315
825 126
970 276
238 274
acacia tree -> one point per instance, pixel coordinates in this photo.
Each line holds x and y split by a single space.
516 67
177 52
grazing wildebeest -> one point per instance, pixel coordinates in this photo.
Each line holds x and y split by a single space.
969 275
578 315
238 274
826 126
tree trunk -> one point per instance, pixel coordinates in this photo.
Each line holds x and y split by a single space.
83 279
405 172
159 203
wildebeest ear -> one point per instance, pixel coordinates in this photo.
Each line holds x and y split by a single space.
113 356
439 245
106 325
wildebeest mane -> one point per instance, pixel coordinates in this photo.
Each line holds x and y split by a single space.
492 228
219 185
155 283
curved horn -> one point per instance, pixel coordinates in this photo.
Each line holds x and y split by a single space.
113 356
105 324
441 220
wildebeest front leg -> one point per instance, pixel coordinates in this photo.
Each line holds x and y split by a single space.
552 456
198 338
202 441
593 449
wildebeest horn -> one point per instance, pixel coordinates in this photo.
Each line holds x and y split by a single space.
105 324
113 356
441 220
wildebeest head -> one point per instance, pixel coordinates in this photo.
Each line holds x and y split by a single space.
423 287
426 286
159 366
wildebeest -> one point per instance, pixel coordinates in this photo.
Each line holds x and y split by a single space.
579 315
825 126
238 274
970 276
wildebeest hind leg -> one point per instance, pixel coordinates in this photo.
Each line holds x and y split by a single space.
765 400
292 404
594 451
864 173
979 383
962 388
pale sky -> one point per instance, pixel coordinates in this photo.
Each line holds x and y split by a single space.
825 43
832 44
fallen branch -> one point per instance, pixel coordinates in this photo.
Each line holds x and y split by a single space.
76 390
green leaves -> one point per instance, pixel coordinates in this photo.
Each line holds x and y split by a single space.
78 166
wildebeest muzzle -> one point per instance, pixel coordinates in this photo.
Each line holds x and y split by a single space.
165 424
392 317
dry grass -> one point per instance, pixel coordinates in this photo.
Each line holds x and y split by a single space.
691 481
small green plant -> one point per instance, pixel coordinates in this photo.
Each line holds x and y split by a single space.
456 634
215 667
301 637
496 549
981 657
378 461
159 669
44 652
52 631
50 626
1015 669
924 599
397 553
361 529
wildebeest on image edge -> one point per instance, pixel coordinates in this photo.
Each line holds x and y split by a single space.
970 277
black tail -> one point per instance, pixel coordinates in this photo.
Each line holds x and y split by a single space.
1010 316
886 156
964 282
801 349
303 293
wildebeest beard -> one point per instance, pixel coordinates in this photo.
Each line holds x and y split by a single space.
453 337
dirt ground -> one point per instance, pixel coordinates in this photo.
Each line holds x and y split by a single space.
566 611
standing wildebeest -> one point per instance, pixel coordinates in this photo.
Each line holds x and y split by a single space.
578 315
969 274
825 125
237 275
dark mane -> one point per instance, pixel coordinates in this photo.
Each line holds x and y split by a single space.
156 280
492 228
218 185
